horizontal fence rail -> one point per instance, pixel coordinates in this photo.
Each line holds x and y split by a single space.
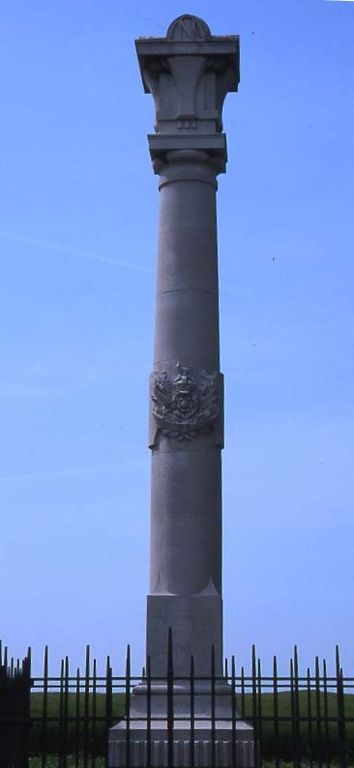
63 721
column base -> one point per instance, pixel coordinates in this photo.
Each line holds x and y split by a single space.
150 748
221 741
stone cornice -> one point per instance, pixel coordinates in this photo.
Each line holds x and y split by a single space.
189 72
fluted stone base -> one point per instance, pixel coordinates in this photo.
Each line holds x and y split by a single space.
157 746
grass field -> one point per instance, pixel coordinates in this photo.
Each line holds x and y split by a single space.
79 733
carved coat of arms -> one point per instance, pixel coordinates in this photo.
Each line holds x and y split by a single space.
185 405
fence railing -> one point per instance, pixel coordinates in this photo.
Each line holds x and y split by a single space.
302 718
15 706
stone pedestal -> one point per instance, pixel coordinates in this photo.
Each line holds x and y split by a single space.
189 74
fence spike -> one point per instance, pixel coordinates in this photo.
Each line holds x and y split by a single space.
127 662
338 664
253 658
87 661
170 652
45 662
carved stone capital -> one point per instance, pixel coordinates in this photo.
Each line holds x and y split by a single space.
185 404
189 72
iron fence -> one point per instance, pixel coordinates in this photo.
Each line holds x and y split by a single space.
300 718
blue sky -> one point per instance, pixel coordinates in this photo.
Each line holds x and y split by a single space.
78 226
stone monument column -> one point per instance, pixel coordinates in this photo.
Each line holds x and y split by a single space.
188 73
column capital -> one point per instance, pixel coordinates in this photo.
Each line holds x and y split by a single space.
189 72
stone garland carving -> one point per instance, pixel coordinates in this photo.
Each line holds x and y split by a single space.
186 405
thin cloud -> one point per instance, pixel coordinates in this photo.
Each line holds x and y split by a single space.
72 472
62 248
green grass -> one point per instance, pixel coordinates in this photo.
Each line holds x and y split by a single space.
77 734
95 737
310 740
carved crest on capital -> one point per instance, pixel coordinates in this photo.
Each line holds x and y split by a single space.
189 72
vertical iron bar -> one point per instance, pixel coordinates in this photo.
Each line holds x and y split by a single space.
325 716
341 713
259 713
148 711
44 708
192 707
254 707
86 706
94 715
77 719
243 698
293 715
310 720
61 714
298 748
127 707
26 671
212 702
65 710
108 704
275 746
319 747
233 713
170 702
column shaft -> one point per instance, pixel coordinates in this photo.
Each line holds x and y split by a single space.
185 575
